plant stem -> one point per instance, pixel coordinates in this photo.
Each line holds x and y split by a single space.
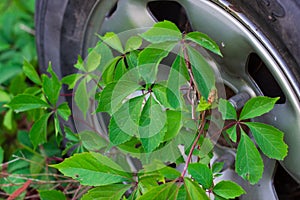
200 130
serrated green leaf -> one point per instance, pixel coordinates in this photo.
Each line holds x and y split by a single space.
64 111
257 106
82 97
8 120
120 70
80 64
163 191
227 110
92 169
152 125
232 133
177 78
228 190
108 192
269 139
112 40
150 57
161 95
113 94
31 73
194 191
124 123
25 102
162 32
38 132
174 124
92 141
93 61
51 195
133 43
217 167
109 70
51 86
204 41
202 174
203 73
71 80
248 164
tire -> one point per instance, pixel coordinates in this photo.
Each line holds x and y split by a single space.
266 29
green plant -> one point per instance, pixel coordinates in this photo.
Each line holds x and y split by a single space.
154 123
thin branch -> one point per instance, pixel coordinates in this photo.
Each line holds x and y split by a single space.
201 130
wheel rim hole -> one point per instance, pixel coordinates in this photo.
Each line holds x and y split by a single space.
112 10
264 79
172 11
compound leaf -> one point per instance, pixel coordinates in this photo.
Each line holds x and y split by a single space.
194 191
162 32
202 174
204 41
31 73
25 102
38 132
227 110
107 192
64 111
249 164
92 169
51 86
257 106
150 57
228 190
203 73
269 140
112 40
133 43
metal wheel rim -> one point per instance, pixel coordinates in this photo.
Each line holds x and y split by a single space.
238 37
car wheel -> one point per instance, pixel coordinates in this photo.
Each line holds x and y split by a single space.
259 40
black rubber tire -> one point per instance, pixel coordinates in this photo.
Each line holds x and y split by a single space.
60 26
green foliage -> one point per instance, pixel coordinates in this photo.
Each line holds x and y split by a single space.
152 122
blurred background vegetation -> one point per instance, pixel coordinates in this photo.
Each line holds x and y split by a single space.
17 43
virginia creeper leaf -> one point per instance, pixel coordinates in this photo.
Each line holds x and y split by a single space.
31 73
51 195
112 40
150 57
227 110
64 111
163 191
232 133
204 41
92 141
93 61
257 106
109 70
177 78
107 192
162 32
269 140
202 72
202 174
174 124
248 164
51 86
82 97
194 191
24 102
133 43
38 132
125 122
152 125
92 169
71 80
217 167
228 190
120 70
114 93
